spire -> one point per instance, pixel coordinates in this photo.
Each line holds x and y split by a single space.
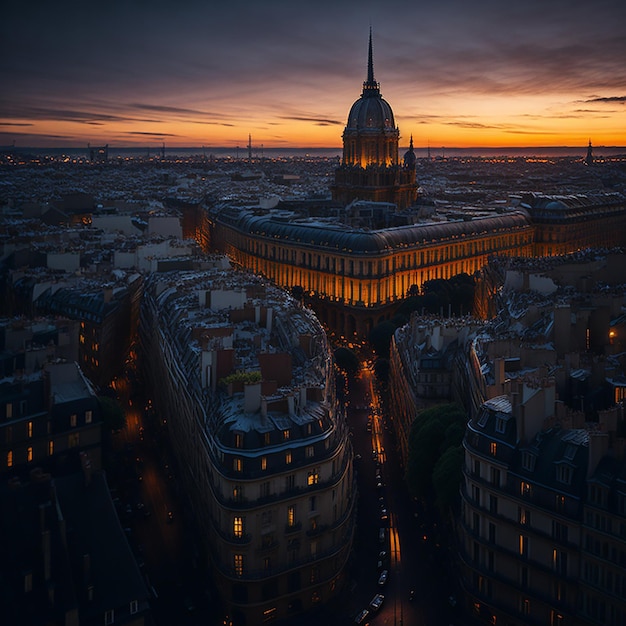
370 86
370 62
589 157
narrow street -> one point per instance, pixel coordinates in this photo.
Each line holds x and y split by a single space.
414 557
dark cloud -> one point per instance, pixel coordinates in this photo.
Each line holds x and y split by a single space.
139 132
620 99
168 109
315 120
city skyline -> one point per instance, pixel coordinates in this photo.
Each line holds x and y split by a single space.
489 75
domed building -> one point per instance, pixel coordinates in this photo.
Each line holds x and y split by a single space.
370 168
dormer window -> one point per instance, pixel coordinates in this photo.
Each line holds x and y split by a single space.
564 474
500 425
528 461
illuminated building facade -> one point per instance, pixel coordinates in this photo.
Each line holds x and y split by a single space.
370 168
566 223
357 278
246 378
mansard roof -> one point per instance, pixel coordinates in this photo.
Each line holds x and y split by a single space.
317 234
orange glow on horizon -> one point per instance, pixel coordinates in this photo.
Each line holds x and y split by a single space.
490 123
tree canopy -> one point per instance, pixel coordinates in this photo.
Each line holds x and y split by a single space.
434 450
347 360
113 416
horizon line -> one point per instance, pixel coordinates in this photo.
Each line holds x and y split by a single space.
297 147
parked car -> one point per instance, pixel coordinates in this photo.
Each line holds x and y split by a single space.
382 535
377 601
361 617
382 579
382 559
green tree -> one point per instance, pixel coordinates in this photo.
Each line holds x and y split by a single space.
380 337
298 293
447 475
433 432
424 443
347 360
113 416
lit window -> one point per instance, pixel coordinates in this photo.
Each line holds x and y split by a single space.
556 619
286 434
10 458
266 439
30 429
493 448
238 527
88 418
263 463
29 454
288 457
291 516
525 488
50 448
313 477
523 545
237 464
524 516
238 440
237 493
238 563
73 420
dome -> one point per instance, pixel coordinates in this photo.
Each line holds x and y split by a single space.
370 111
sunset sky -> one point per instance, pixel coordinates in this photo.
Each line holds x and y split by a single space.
457 73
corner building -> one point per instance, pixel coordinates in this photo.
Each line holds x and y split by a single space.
245 378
